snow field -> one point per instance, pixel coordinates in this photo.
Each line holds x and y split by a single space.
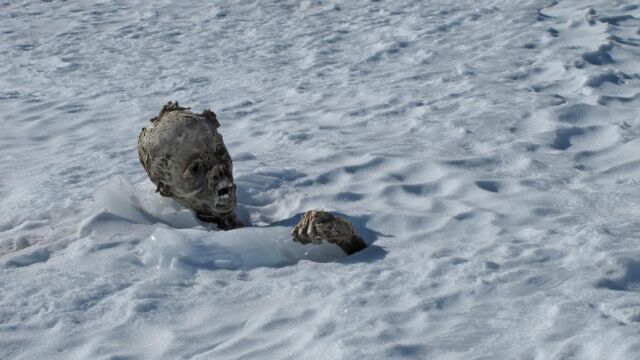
486 150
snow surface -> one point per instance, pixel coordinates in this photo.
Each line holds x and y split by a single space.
488 151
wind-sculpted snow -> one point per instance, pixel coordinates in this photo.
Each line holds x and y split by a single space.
487 151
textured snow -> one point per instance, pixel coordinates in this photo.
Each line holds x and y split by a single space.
488 151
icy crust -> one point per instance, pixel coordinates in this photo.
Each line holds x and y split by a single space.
196 247
243 249
120 197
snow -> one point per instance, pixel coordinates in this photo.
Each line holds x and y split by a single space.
487 151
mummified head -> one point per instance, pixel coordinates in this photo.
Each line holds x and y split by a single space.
186 159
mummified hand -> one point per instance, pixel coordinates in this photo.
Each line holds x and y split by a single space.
317 226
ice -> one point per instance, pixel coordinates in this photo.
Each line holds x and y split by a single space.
165 249
118 197
170 247
245 248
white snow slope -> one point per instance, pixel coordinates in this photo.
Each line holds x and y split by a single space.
488 151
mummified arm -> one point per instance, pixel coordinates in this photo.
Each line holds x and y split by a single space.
317 226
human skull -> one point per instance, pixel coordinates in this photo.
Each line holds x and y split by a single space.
185 157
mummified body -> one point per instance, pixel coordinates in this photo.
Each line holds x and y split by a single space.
185 157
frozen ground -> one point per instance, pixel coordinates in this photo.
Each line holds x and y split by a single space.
489 151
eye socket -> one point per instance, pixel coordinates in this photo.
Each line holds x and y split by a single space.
194 169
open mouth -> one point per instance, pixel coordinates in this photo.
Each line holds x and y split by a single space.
224 194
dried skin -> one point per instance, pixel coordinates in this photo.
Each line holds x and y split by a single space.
317 226
185 157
